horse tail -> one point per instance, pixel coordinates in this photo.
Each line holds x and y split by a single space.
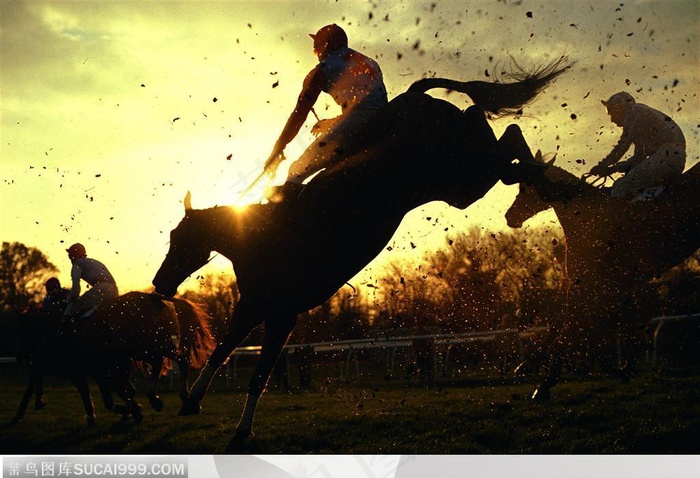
502 98
195 332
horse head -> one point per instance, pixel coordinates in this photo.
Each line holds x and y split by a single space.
188 252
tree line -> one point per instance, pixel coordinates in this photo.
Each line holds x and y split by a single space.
480 280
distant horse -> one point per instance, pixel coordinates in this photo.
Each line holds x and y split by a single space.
49 356
135 326
614 248
148 329
292 256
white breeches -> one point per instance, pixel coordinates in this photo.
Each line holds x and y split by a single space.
328 147
659 168
93 298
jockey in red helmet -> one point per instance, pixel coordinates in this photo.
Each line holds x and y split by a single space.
356 84
96 274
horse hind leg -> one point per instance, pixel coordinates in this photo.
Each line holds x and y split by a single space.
34 377
39 401
118 380
183 364
80 382
154 400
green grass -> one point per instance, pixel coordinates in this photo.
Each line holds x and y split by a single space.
653 414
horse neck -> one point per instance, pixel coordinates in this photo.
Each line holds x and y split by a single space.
580 207
213 226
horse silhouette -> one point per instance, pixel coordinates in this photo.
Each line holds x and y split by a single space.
292 256
614 248
148 330
134 327
50 356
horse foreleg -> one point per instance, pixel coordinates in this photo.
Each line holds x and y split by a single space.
183 364
153 399
80 382
275 338
543 390
34 376
555 355
118 379
39 401
242 323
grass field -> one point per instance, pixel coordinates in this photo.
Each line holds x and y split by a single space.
654 414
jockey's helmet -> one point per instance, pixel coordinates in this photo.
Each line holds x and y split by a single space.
76 251
328 39
52 283
618 104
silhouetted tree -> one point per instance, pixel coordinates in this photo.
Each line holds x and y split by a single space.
478 282
218 293
23 272
345 316
410 299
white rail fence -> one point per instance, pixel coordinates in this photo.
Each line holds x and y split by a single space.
441 346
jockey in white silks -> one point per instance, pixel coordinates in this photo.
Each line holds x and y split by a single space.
659 147
93 272
356 84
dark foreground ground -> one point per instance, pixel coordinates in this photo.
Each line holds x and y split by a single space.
656 413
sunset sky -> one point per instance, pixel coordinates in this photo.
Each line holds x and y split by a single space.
112 111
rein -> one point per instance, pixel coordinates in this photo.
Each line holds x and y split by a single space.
596 183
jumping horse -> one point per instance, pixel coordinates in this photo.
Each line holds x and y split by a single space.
614 248
292 256
134 327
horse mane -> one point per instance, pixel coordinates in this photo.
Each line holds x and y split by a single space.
568 185
505 98
195 331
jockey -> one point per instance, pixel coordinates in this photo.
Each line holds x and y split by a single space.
56 296
659 147
94 273
356 84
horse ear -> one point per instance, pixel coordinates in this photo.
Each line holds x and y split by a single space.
551 161
188 202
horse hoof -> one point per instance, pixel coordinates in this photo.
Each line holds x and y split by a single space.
541 394
190 407
91 421
237 443
39 404
156 403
